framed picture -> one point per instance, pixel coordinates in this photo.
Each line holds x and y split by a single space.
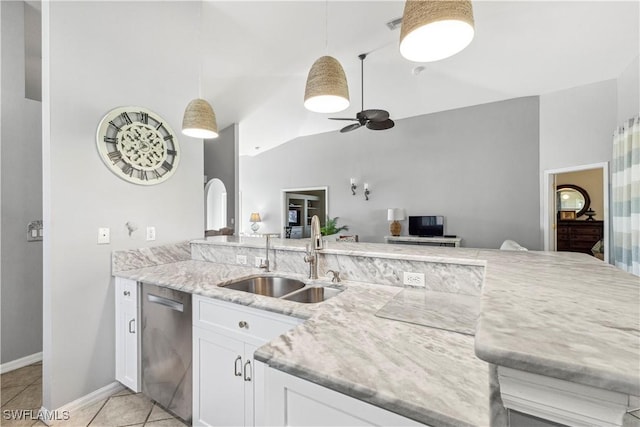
567 215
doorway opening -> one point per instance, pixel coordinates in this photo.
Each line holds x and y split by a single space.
576 210
299 205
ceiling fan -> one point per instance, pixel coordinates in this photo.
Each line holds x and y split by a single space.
372 119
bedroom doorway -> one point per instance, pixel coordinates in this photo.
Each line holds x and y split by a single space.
571 196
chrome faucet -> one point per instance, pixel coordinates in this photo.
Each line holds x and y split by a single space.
335 276
312 250
265 261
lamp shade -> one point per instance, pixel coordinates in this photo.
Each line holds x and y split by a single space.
199 120
435 29
395 214
326 90
255 217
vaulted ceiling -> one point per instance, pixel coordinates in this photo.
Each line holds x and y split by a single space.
256 56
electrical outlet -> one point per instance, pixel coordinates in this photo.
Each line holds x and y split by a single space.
151 233
241 259
258 261
103 236
413 279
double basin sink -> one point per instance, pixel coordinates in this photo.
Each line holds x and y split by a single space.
283 287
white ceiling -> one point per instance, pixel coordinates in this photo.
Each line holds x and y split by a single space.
257 55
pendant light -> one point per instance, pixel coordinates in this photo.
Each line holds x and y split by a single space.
326 90
435 29
199 120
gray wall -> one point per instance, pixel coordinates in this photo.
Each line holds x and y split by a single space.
98 56
629 92
576 125
220 161
477 166
21 191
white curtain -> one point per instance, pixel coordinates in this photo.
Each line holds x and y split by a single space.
625 189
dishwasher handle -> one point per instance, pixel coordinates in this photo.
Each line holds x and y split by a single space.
173 305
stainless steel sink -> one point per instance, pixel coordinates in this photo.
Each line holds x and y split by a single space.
313 295
270 286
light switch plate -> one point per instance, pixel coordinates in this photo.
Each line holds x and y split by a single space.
104 236
151 233
241 259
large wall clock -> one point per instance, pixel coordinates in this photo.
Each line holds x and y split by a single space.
138 145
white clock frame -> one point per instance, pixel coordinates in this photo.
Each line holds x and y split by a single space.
138 145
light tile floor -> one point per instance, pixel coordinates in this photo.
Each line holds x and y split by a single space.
21 392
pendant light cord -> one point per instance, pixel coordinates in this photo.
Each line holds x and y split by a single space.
326 27
200 50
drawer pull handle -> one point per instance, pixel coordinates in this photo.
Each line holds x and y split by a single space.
247 371
127 293
132 326
237 369
243 325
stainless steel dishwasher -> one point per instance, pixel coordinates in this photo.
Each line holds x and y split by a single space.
166 348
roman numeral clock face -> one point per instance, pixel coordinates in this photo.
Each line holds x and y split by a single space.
138 145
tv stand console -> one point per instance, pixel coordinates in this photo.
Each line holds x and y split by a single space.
432 241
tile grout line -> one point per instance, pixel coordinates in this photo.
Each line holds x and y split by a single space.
16 396
144 423
99 410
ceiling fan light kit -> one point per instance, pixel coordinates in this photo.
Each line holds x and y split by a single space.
199 120
327 90
435 29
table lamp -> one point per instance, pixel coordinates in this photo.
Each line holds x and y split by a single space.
255 219
394 215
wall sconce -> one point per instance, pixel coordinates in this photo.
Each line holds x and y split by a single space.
353 186
255 219
366 191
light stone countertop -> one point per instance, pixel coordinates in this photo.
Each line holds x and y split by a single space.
426 374
560 314
564 315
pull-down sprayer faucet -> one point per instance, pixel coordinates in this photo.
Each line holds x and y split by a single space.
314 247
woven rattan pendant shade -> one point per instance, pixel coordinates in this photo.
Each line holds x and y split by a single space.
199 120
435 29
326 90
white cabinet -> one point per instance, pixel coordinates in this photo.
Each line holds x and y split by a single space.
228 385
292 401
127 338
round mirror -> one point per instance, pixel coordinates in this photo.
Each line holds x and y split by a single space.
572 198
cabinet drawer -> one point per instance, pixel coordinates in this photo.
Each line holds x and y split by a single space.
587 231
224 317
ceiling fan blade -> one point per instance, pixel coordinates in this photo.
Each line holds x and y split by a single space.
387 124
350 128
376 115
342 118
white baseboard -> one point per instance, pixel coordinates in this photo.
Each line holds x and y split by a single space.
20 363
86 400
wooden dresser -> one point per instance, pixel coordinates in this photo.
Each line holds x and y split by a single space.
578 236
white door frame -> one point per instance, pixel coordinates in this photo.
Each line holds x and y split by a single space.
549 204
284 214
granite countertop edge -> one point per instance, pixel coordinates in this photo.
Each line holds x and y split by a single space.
554 368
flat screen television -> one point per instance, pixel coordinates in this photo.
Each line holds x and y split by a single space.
294 217
426 226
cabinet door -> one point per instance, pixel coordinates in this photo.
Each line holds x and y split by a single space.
127 363
251 377
218 379
292 401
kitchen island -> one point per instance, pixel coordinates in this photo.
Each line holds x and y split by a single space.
427 374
